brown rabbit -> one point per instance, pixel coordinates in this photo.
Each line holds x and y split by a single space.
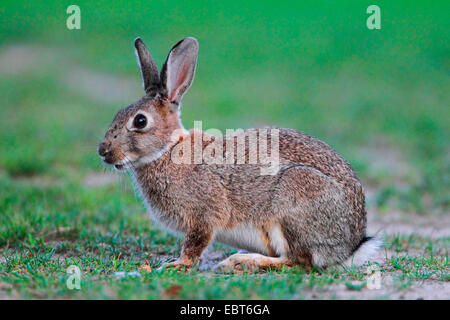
309 211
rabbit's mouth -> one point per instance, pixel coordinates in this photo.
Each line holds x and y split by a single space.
123 165
119 165
129 162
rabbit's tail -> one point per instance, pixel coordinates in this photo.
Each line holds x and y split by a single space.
364 252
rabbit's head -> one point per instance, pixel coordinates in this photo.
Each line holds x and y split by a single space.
143 131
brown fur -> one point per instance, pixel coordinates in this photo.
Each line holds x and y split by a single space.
315 198
266 239
252 262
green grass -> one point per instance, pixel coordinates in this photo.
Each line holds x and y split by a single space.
106 230
375 96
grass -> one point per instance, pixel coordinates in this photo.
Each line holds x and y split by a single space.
39 271
106 230
379 97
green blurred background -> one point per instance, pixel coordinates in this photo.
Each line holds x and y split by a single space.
380 97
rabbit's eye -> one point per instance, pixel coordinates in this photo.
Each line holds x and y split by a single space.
140 121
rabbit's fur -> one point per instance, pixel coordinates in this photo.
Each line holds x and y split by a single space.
310 212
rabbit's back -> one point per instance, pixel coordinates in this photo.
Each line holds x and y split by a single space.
316 196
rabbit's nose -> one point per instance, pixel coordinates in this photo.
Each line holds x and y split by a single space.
103 149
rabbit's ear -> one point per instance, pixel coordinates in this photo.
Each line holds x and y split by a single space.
179 69
149 70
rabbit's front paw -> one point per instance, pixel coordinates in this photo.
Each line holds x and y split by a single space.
180 264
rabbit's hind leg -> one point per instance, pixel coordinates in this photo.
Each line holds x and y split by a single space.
251 262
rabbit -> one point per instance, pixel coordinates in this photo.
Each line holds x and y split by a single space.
310 212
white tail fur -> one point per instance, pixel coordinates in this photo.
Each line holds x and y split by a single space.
364 252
